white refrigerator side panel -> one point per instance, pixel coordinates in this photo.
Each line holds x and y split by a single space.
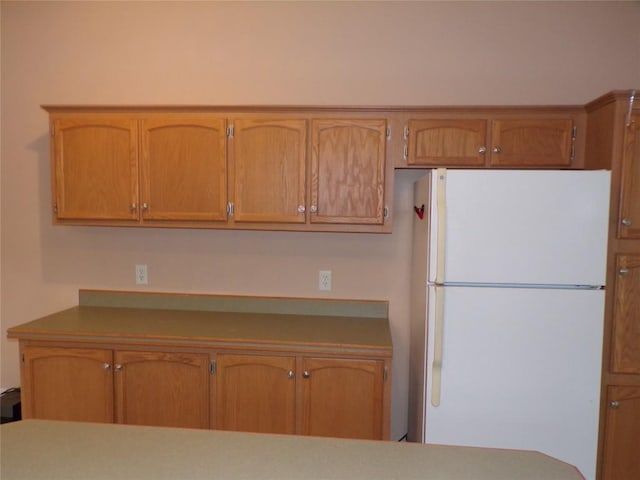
535 227
520 370
418 315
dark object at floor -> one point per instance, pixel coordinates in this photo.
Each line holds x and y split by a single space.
11 406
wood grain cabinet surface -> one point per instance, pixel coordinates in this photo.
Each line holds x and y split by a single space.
626 316
629 221
622 435
534 142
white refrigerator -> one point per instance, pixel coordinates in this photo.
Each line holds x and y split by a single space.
507 310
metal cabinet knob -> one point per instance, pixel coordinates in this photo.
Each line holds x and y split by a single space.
301 209
482 150
133 207
496 150
614 404
106 366
306 374
118 367
626 222
313 209
145 206
623 271
290 374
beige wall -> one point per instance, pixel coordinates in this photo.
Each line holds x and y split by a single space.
268 53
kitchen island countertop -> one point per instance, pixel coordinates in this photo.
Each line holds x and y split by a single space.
53 450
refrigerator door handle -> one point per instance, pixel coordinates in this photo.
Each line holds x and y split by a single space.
441 208
436 367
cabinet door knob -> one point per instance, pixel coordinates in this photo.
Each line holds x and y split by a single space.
306 374
614 404
496 150
313 209
106 366
133 207
482 150
626 222
145 206
301 209
118 367
623 271
290 374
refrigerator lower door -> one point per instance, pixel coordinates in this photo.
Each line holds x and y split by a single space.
520 370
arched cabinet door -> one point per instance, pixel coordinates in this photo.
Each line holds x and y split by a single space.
60 383
629 221
348 171
95 168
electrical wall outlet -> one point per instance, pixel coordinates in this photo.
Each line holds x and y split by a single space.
324 280
141 275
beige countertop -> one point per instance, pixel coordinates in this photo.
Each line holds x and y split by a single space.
201 320
39 449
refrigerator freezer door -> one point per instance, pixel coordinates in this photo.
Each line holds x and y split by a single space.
531 227
520 369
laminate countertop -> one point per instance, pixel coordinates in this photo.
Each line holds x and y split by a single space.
52 450
216 321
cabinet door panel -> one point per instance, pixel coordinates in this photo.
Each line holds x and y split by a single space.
348 171
629 226
162 389
444 142
96 169
622 435
184 169
73 384
626 316
532 143
255 394
342 398
269 158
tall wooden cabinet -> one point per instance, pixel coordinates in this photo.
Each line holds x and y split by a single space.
613 141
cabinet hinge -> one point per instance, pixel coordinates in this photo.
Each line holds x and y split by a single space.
212 367
574 133
230 209
406 132
22 357
384 374
388 132
405 152
230 131
53 130
386 212
55 208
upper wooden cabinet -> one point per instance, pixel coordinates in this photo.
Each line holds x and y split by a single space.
268 158
348 171
535 142
291 168
183 168
95 168
629 221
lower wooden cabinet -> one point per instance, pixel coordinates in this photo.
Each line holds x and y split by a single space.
343 398
67 384
286 394
149 388
622 434
255 393
162 388
330 397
